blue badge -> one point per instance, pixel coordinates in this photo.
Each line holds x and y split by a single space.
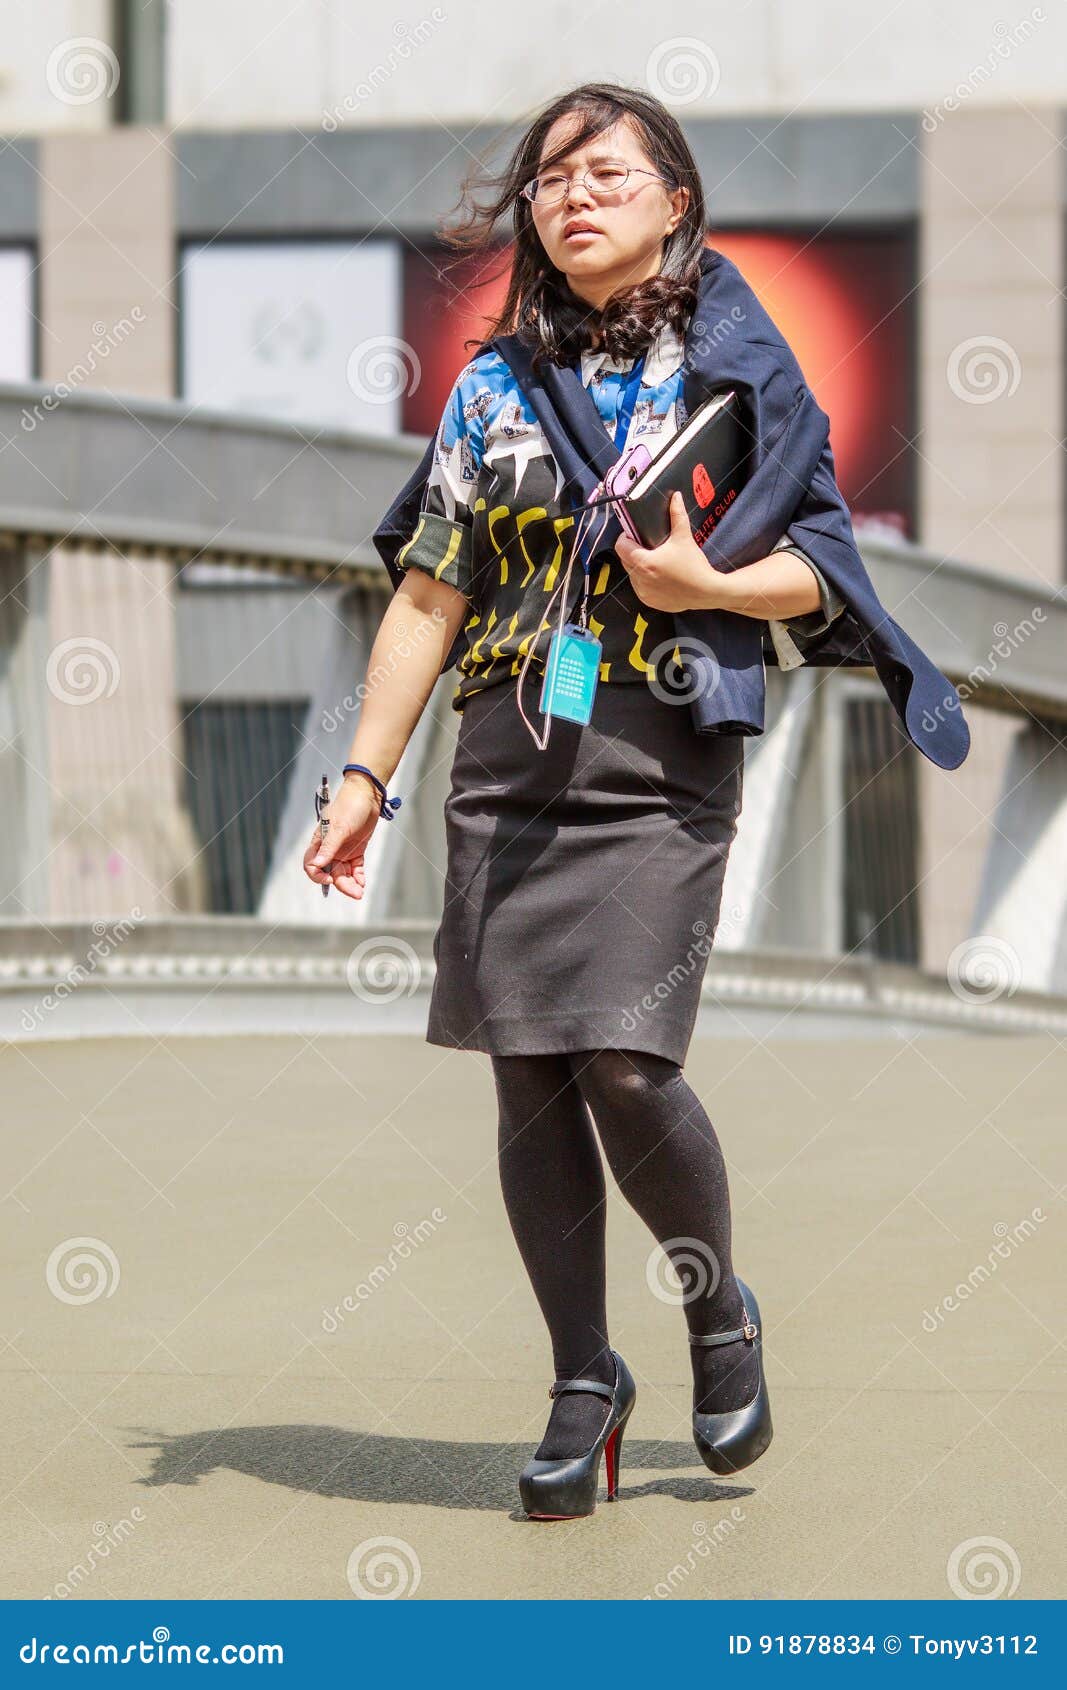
572 670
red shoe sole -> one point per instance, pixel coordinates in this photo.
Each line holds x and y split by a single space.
611 1460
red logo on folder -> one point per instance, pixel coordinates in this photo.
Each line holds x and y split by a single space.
703 489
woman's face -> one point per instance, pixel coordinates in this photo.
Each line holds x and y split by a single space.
625 228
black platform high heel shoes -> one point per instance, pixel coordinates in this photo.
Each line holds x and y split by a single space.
566 1489
732 1440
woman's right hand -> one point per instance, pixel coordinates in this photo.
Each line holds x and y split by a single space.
338 859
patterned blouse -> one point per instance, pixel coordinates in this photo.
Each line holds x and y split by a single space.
492 525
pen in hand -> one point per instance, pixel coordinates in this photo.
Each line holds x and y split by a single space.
322 803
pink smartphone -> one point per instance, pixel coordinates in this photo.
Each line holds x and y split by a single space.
620 479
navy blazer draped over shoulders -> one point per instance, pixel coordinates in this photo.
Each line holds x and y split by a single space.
732 342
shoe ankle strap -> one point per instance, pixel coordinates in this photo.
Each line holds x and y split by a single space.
559 1385
749 1330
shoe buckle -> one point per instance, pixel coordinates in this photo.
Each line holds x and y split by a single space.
749 1329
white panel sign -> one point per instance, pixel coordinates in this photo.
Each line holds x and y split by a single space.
16 314
305 331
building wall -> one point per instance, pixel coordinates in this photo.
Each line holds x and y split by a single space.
106 286
289 62
306 121
301 62
991 368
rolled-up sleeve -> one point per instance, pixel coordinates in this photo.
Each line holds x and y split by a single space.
442 544
440 548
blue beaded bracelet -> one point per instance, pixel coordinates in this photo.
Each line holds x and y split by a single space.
388 805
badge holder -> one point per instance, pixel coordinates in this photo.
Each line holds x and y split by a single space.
572 669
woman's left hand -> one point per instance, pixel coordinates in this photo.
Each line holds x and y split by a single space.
674 575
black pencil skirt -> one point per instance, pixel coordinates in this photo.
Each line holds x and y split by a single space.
583 882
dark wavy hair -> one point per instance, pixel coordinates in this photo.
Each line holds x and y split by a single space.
540 304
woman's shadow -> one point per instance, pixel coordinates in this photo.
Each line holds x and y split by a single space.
368 1467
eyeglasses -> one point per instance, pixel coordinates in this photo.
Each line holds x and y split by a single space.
601 180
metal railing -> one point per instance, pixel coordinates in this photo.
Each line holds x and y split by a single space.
187 601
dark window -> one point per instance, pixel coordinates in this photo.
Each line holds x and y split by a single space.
238 759
881 834
140 41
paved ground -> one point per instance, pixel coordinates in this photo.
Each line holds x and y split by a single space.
183 1417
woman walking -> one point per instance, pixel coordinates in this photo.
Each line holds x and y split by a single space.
585 859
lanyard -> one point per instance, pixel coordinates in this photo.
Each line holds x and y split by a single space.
629 400
622 429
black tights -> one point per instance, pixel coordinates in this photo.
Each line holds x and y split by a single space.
666 1159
